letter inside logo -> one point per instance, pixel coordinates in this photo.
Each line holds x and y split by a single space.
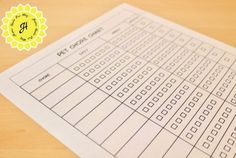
23 26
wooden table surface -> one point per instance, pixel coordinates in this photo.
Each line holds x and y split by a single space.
19 135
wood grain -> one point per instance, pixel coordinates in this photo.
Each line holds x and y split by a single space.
19 135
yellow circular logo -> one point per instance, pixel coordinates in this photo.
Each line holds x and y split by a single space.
24 27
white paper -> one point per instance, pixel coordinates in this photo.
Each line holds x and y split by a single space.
131 84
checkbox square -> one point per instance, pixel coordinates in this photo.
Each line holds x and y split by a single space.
193 129
210 138
133 102
174 126
189 135
178 120
227 148
150 104
145 109
159 117
198 124
206 145
214 132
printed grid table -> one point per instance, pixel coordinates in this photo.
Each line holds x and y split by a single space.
141 89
